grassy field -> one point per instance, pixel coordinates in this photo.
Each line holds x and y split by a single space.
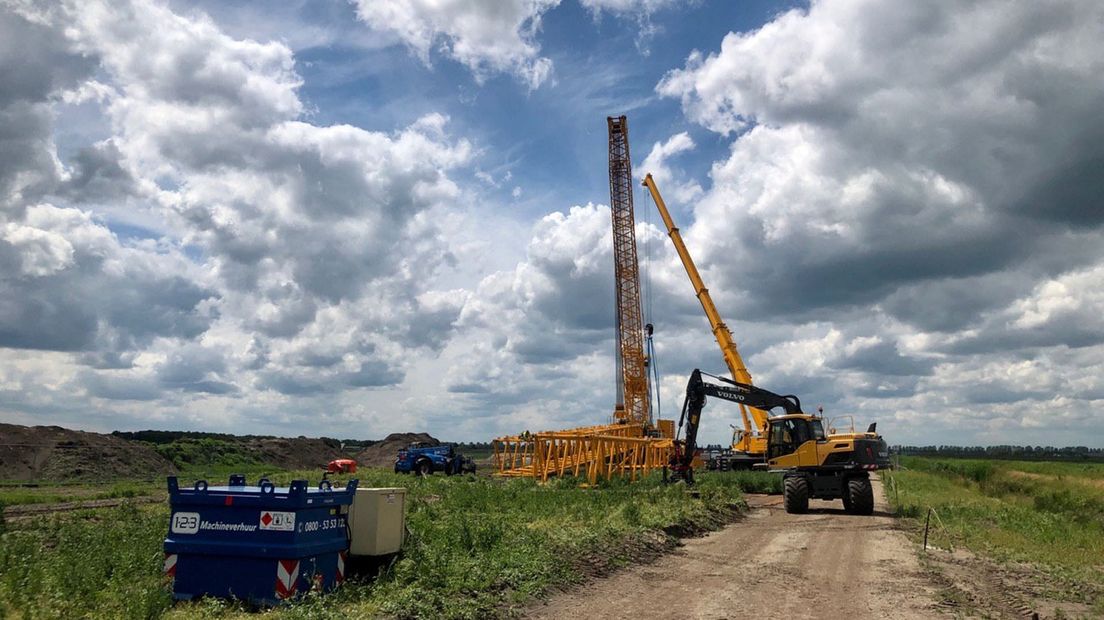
1047 514
478 547
14 495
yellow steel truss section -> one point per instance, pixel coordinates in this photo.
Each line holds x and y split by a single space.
593 452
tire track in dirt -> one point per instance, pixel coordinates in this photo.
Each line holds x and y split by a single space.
825 564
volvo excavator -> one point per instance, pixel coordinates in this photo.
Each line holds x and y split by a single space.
813 465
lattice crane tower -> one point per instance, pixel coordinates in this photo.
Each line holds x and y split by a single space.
634 408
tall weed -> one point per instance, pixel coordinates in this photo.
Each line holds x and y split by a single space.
1053 521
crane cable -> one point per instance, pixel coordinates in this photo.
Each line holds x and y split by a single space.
648 311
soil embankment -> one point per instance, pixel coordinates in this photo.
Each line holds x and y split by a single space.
292 452
382 453
55 453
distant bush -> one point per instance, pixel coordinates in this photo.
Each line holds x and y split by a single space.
1005 452
192 453
160 437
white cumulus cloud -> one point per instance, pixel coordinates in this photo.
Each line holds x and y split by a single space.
487 36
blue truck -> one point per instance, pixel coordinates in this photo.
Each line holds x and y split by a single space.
423 459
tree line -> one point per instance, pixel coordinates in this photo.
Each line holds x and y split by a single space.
1019 453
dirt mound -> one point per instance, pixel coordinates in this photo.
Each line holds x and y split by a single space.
55 453
294 453
382 454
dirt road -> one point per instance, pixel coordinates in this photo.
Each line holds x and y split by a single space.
825 564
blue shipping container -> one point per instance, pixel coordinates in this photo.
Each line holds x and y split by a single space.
262 544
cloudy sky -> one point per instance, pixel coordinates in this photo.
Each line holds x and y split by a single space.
353 218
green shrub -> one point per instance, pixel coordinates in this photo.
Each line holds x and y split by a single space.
190 453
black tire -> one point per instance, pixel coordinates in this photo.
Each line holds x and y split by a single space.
424 467
795 495
846 500
861 496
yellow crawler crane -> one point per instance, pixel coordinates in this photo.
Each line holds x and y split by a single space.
635 445
633 408
751 444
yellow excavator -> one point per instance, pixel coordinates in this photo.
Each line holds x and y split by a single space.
813 463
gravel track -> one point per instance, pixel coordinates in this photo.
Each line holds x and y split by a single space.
824 564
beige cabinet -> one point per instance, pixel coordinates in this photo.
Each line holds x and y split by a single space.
377 521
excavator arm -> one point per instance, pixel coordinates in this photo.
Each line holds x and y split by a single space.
698 389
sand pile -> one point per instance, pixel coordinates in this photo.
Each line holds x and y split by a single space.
382 454
55 453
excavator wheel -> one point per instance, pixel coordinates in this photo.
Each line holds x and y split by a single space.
860 496
424 467
795 494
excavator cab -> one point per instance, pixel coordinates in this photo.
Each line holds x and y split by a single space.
793 441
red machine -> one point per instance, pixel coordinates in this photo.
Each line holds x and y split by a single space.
342 466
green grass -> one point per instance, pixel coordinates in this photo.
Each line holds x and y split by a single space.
55 493
753 481
479 547
1093 471
103 563
477 454
1047 514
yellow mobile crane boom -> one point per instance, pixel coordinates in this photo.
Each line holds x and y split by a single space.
754 441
